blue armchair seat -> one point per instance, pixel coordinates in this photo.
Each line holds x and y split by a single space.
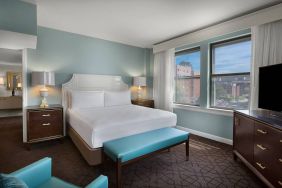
38 175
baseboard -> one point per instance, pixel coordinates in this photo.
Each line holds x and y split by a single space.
206 135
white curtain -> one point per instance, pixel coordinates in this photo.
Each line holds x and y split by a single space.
267 50
164 71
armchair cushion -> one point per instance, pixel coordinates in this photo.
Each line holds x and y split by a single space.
100 182
56 182
8 181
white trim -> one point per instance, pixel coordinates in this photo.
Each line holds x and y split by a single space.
15 41
30 1
11 63
206 135
205 110
24 90
267 15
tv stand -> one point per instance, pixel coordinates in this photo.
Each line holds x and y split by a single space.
257 142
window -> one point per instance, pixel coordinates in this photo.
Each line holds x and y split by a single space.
187 79
230 73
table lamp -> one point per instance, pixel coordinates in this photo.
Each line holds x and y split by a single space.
1 80
139 81
19 85
44 79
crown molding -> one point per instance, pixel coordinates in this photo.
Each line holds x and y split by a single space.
260 17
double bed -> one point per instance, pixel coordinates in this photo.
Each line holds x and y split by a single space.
90 125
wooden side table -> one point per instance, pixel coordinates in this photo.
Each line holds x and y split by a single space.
44 123
144 102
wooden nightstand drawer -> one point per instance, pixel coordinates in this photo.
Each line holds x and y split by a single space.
44 123
43 129
144 102
36 115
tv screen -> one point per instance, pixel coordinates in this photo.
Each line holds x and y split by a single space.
270 90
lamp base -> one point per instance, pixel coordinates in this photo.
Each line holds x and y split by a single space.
44 103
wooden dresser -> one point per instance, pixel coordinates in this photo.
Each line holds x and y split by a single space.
44 123
144 102
257 139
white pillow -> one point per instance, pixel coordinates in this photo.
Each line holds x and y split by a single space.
87 99
114 98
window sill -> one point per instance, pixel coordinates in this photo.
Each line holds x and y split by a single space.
205 110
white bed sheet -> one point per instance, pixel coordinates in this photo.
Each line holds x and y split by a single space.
100 124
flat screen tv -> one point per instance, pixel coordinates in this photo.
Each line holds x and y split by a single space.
270 88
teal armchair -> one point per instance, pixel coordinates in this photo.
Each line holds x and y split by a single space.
38 175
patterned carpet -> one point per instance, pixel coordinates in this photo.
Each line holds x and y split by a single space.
211 163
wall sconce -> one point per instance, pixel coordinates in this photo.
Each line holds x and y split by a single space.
139 81
43 78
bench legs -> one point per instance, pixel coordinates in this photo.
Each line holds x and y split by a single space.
118 174
119 165
187 149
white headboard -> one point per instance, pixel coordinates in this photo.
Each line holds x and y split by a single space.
91 82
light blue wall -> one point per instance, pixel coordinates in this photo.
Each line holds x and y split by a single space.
67 53
150 72
218 125
18 16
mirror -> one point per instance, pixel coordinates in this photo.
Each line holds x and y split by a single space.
14 80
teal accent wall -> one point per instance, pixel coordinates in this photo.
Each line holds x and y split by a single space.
18 16
67 53
218 125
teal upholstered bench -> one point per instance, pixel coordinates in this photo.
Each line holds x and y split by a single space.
132 148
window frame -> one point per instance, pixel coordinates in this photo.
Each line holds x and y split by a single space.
219 44
185 51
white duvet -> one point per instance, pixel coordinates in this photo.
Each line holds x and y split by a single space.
100 124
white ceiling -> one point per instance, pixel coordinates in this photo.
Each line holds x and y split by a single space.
10 57
140 22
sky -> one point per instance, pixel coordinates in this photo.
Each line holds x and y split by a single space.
193 58
233 58
228 59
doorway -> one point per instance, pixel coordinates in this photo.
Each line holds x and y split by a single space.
11 83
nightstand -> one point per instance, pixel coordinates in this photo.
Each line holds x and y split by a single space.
44 123
144 102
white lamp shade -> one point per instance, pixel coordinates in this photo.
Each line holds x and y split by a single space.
43 78
139 81
1 81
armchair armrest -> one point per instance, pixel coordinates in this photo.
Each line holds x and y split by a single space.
35 173
100 182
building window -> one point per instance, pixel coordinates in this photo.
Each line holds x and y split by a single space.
187 79
230 73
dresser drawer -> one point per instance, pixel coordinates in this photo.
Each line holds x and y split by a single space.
266 136
276 176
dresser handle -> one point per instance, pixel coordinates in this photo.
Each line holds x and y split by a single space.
46 115
280 160
280 183
261 131
46 124
261 147
260 165
280 141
